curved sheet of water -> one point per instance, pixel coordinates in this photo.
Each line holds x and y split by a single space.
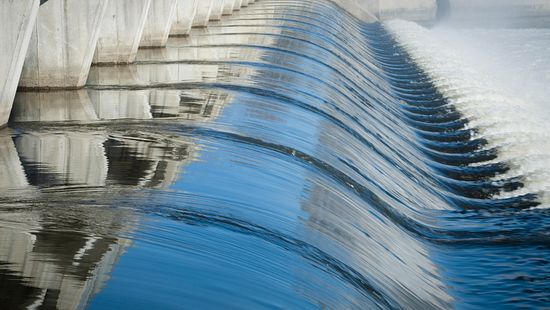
285 157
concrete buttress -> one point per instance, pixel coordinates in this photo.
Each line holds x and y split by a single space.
185 13
19 17
159 23
204 9
217 9
63 43
228 7
121 31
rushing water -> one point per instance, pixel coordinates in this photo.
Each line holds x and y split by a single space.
285 157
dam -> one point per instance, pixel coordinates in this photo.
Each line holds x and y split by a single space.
273 154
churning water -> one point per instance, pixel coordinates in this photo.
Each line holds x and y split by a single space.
285 157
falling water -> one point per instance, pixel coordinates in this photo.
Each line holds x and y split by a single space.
285 157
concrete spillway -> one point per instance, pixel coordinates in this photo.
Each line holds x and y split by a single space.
54 45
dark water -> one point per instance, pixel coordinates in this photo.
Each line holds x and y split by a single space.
285 157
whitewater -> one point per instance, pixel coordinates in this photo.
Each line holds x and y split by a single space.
497 78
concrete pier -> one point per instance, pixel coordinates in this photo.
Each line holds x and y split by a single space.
121 31
217 9
159 22
19 17
228 7
185 13
238 5
204 9
63 43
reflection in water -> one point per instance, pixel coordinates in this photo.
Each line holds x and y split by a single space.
57 250
58 247
90 105
276 159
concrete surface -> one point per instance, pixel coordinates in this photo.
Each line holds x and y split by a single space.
185 13
217 9
238 4
496 8
414 10
63 43
228 7
19 17
159 23
121 31
204 9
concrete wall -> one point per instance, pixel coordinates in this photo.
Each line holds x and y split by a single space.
416 10
121 31
185 13
63 44
159 22
505 8
217 9
228 7
18 20
238 4
204 9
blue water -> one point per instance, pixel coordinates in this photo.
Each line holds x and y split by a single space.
286 157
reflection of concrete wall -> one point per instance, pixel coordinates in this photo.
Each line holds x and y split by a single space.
185 13
64 269
92 159
63 43
12 175
69 159
61 256
121 31
120 104
18 18
115 75
91 105
53 106
81 105
159 22
396 263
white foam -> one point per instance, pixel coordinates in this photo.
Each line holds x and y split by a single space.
500 80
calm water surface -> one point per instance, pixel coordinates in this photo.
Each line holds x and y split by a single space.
285 157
